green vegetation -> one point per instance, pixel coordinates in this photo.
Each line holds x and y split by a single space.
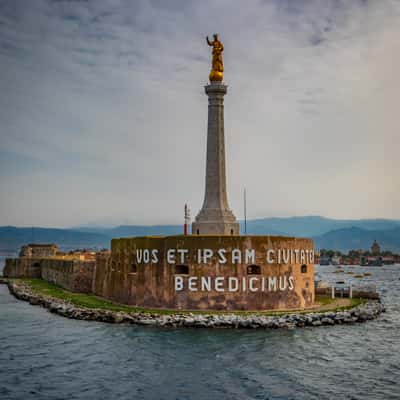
327 300
41 287
324 300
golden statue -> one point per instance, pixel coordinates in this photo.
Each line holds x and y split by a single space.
217 67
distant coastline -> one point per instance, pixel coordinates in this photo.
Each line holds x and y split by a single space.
338 235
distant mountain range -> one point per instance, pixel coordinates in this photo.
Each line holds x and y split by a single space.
312 226
12 238
327 233
356 238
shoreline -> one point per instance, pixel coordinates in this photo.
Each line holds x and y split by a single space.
366 311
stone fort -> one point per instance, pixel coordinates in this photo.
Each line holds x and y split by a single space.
214 268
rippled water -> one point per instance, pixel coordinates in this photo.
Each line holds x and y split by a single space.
44 356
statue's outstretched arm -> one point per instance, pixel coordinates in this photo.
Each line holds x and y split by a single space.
208 41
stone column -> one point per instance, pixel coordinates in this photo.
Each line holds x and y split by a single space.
215 217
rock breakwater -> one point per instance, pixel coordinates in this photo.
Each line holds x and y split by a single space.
364 312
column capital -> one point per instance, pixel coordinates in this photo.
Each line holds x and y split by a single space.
216 88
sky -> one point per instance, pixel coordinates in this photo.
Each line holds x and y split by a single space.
103 112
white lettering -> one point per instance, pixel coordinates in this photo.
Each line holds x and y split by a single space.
272 283
234 284
207 254
182 253
302 257
236 256
154 256
139 256
206 283
193 283
171 256
250 256
286 256
178 283
296 258
232 280
251 287
291 283
219 284
222 258
311 256
282 286
146 256
270 253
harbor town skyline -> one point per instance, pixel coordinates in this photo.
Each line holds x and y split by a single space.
100 107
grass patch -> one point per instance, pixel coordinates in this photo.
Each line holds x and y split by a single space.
87 300
326 301
44 288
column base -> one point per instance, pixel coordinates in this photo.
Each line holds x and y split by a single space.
215 228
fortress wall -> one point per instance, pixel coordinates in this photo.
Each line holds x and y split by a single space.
74 275
22 268
99 275
59 272
189 272
130 279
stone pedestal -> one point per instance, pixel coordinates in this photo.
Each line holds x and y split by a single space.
215 217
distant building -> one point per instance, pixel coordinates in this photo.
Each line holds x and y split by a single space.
324 260
38 250
83 255
336 260
388 260
373 261
375 248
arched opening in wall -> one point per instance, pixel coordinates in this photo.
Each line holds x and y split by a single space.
36 270
253 270
304 269
231 231
197 231
133 268
181 270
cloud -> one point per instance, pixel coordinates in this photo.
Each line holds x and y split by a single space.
104 114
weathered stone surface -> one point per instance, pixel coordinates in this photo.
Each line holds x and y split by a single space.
152 285
22 268
215 217
74 275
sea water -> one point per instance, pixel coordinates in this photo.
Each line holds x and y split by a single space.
45 356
